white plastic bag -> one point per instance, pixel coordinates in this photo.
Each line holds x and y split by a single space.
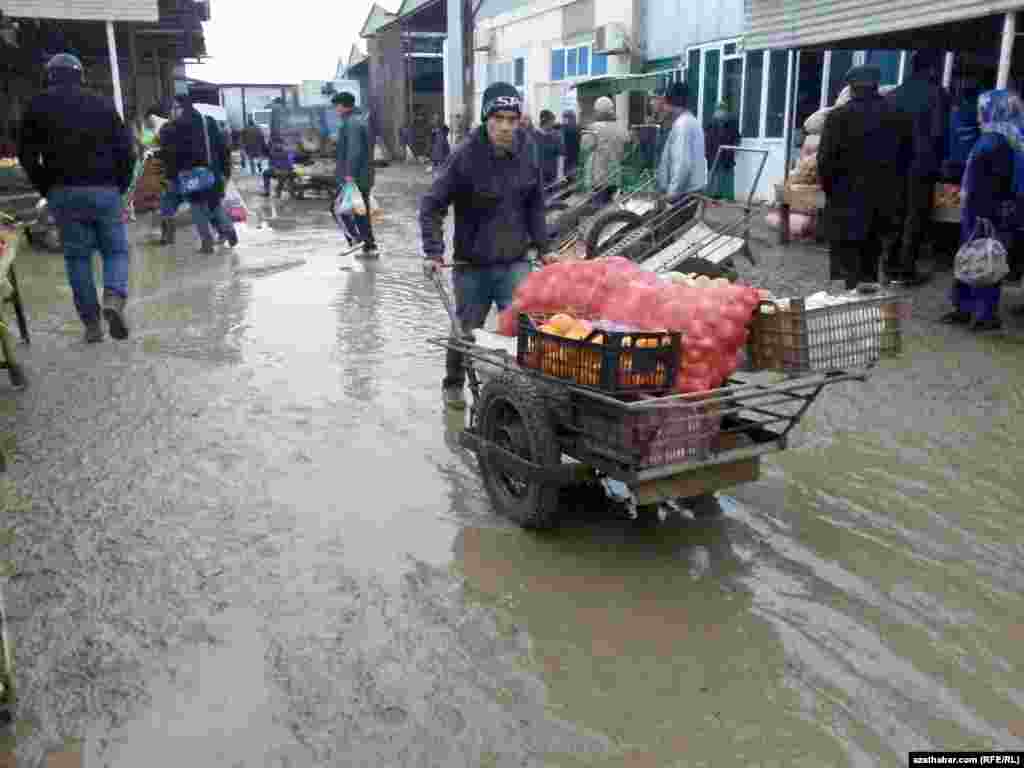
981 261
349 202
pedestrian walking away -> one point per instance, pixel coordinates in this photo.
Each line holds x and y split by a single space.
80 156
926 101
194 143
254 144
863 158
606 141
355 162
493 181
551 147
988 193
440 146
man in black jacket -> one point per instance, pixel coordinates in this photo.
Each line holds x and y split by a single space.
80 156
926 101
493 179
863 158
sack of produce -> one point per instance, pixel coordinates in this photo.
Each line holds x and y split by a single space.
810 146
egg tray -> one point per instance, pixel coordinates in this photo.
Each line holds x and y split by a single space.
621 362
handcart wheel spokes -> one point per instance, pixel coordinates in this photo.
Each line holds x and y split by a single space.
513 417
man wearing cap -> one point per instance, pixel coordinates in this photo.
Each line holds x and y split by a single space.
355 162
80 156
494 182
681 168
606 141
863 158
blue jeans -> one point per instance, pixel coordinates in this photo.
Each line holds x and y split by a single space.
476 288
206 211
89 219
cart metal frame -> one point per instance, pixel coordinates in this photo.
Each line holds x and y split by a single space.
758 413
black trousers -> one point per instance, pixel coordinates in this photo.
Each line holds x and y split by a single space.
858 261
920 191
363 222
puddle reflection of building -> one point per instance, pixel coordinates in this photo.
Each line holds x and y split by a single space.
359 333
612 608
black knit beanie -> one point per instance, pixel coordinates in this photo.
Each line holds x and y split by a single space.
500 97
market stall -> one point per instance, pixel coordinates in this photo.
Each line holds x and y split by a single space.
978 38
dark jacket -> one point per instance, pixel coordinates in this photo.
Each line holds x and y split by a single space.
571 142
551 148
988 192
928 105
184 145
721 132
254 142
498 199
75 138
863 159
353 151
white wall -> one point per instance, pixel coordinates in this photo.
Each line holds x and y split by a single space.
670 26
532 30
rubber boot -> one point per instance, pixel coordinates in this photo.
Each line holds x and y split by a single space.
207 247
166 232
113 313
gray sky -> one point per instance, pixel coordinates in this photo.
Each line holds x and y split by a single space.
284 42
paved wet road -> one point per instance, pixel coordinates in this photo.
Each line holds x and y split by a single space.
245 537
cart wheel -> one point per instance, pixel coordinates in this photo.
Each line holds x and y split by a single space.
512 414
608 229
700 266
704 506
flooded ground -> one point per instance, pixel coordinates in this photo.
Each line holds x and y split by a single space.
246 537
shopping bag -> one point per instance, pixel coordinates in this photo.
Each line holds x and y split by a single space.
358 203
376 214
345 221
982 260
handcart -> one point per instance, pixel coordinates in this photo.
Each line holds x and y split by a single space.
572 206
535 434
311 178
695 234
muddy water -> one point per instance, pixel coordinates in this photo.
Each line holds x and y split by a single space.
253 540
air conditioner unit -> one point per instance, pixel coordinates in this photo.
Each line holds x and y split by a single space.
484 40
611 38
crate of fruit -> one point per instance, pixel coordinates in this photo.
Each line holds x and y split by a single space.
597 356
823 333
648 434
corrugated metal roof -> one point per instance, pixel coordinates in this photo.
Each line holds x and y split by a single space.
376 19
83 10
810 23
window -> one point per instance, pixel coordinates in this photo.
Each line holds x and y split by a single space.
712 62
841 63
732 84
520 72
599 64
573 62
558 64
752 94
775 117
888 62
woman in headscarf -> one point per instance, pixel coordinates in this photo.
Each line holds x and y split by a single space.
987 192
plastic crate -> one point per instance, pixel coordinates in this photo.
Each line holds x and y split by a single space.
623 362
856 334
671 432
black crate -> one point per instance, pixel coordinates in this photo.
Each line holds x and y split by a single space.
621 363
666 432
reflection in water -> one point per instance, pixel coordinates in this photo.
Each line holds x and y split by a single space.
646 635
359 334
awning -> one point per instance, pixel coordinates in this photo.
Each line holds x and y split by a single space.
613 85
873 24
